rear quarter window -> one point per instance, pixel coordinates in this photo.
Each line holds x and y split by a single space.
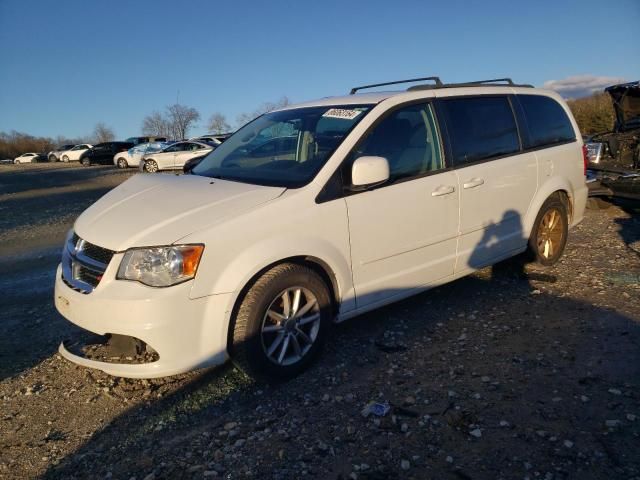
480 128
546 120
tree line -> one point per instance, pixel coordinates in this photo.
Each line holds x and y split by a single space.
14 144
593 114
177 120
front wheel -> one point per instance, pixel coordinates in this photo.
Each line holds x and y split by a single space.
550 231
150 166
65 159
52 158
122 163
85 162
282 322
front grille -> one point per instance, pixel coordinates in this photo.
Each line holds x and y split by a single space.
84 264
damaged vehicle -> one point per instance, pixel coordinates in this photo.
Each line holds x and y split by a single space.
614 156
313 214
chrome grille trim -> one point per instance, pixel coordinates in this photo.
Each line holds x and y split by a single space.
77 266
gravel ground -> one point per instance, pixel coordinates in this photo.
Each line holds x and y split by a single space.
513 372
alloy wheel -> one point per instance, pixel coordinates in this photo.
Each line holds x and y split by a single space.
550 234
290 326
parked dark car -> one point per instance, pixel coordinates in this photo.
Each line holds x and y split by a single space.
139 140
103 153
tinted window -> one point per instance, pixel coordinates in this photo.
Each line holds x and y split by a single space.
480 128
547 121
408 139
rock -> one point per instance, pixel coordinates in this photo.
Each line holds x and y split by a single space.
404 428
615 391
410 400
218 455
568 443
325 397
476 432
239 443
631 417
485 379
449 459
612 423
209 473
405 465
150 476
230 426
504 423
584 398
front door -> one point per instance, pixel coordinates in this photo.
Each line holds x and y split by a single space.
404 233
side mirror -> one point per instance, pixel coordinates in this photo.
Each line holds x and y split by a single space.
369 171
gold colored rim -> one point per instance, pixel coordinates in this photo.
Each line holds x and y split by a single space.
550 233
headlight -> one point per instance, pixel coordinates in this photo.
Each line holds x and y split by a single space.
160 266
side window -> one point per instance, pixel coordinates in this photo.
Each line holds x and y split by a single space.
408 139
547 121
480 128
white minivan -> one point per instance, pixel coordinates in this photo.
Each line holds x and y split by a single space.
318 212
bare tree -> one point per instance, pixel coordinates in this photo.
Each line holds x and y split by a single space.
175 123
218 123
262 109
102 133
181 118
156 125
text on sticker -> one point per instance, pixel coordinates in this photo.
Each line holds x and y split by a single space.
342 113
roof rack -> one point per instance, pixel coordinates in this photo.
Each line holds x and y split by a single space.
437 81
438 84
477 83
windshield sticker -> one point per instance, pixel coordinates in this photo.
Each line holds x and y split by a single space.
342 113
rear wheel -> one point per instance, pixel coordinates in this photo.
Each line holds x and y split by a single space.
122 163
150 166
282 322
550 230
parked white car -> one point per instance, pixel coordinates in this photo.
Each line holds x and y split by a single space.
132 157
55 155
73 154
26 158
174 156
269 241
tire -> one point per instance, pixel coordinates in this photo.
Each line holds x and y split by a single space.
550 231
272 349
17 162
150 166
85 162
122 163
65 159
52 158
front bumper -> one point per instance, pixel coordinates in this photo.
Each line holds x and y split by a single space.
186 333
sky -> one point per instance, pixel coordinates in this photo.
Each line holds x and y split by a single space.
67 64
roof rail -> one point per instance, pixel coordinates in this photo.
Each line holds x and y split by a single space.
477 83
437 81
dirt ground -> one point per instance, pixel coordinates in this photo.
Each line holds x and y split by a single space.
513 372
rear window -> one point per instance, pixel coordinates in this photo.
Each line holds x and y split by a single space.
480 128
547 121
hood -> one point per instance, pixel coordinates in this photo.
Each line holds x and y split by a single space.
626 103
160 209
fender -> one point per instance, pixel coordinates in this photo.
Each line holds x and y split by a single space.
547 189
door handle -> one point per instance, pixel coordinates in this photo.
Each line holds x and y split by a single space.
474 182
443 190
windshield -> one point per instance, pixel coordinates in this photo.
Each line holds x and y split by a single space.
284 149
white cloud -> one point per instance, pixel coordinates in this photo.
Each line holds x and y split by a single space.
581 85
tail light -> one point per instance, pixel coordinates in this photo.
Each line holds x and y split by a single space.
585 159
